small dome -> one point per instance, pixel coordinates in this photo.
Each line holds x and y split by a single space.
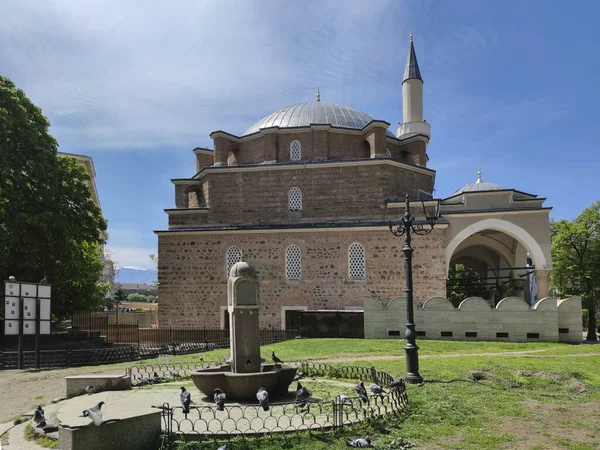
242 269
314 113
479 186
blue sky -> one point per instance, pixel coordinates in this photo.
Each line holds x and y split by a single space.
510 85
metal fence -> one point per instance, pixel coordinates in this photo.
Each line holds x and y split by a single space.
284 417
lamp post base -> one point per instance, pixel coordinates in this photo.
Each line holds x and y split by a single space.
412 365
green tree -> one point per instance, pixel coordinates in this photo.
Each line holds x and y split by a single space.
576 260
49 223
140 298
464 282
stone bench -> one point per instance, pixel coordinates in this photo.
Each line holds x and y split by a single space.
75 385
140 432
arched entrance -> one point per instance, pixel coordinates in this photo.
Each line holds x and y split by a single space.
490 256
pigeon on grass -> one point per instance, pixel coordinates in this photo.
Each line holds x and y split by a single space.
360 443
299 376
376 389
362 392
275 359
396 384
95 413
263 398
302 395
220 397
186 399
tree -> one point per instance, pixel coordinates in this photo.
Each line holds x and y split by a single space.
464 282
576 260
140 298
49 223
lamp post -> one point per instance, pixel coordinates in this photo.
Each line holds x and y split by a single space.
407 226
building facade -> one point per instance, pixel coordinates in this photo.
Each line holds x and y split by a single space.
306 195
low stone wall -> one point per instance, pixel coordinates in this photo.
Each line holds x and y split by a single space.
548 320
140 432
75 385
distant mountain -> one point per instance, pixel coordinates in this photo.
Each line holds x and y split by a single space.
135 275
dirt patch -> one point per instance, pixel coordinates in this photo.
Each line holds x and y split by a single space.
550 424
577 386
538 374
479 375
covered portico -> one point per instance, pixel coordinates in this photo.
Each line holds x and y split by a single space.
494 231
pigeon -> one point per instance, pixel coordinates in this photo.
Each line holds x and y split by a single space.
44 280
362 392
50 428
343 399
360 443
58 399
90 390
186 399
202 359
175 374
302 395
276 360
38 417
95 413
376 389
263 398
396 384
299 376
12 279
226 360
223 447
219 397
157 379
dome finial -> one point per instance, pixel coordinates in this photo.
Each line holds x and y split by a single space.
478 173
318 94
411 36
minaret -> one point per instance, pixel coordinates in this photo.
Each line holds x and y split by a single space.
412 99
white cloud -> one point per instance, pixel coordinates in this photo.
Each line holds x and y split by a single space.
138 257
116 74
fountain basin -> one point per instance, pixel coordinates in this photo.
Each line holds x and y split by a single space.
244 386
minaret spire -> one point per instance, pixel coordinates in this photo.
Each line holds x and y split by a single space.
318 94
478 174
412 66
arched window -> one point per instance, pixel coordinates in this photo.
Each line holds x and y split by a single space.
234 255
356 262
295 199
295 151
293 268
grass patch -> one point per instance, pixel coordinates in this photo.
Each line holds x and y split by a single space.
44 441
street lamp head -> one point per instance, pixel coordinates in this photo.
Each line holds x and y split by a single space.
431 211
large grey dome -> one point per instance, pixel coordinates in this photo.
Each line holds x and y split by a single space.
314 113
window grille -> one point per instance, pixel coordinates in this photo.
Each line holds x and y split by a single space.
295 199
234 255
293 269
356 262
295 151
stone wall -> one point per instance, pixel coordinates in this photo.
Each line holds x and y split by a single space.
332 192
511 320
193 281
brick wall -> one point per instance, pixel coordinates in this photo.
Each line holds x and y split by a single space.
192 271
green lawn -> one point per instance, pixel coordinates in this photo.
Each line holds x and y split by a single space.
326 349
531 401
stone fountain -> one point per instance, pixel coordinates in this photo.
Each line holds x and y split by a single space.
245 374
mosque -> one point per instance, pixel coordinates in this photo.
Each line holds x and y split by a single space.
306 195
